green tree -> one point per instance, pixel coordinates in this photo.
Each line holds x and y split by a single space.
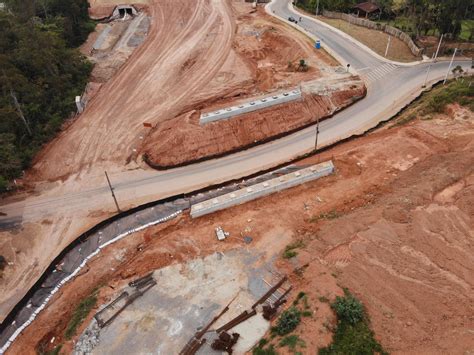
39 78
348 308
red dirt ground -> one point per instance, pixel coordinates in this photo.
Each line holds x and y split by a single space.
394 225
182 139
150 87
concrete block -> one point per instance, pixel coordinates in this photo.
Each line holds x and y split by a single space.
262 189
251 106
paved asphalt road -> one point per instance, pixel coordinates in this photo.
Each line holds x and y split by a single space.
390 87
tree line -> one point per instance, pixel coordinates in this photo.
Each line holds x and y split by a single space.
41 72
425 15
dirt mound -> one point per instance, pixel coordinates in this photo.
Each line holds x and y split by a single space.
271 52
184 140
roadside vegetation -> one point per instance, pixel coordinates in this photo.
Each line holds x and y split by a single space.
41 72
417 17
435 101
353 334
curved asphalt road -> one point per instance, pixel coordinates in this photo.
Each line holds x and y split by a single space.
390 87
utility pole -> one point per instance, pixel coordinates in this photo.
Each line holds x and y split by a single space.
317 134
112 191
428 72
317 8
439 46
388 45
450 65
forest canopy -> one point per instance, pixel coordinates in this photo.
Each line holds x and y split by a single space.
41 72
426 15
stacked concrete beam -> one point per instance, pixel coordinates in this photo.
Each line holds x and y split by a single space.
251 106
262 189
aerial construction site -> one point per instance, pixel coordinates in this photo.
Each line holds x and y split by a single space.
255 176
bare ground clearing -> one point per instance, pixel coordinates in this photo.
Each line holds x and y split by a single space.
394 225
151 86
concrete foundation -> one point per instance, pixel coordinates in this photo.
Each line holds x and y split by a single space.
123 11
250 106
262 189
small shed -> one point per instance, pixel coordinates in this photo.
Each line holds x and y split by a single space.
364 9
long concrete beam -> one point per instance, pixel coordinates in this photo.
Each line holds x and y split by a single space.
262 189
251 106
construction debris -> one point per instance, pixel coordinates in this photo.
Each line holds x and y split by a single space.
196 342
221 234
88 340
270 310
105 316
225 342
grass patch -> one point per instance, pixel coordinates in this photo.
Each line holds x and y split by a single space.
54 351
353 334
280 334
436 100
290 251
80 313
455 91
328 215
292 341
288 321
262 349
323 299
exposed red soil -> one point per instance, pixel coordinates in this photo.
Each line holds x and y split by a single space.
152 87
265 47
184 140
400 238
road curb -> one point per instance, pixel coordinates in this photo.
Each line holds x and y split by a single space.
356 42
268 9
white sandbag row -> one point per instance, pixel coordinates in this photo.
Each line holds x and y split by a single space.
76 271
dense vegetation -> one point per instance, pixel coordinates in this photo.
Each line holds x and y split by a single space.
353 334
436 101
40 75
454 17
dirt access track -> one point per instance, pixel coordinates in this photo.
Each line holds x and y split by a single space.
150 87
196 57
395 225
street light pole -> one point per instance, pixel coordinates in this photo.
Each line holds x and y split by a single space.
317 134
428 72
112 191
439 46
388 45
450 65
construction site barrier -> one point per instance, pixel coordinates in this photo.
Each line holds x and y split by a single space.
76 271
